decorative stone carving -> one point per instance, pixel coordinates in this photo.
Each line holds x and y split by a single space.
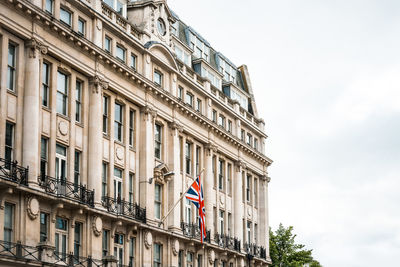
211 256
98 83
222 200
63 128
32 208
240 164
265 178
149 112
97 225
119 153
148 239
176 126
210 147
175 247
35 45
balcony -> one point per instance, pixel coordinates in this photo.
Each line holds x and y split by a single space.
228 242
11 171
44 255
192 230
68 190
255 251
121 207
73 260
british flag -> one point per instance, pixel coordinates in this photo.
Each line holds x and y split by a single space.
195 194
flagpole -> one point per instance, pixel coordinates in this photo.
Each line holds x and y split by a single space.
163 218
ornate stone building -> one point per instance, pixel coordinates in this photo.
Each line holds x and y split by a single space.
108 111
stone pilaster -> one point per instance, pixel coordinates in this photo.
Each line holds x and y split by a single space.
146 159
238 200
175 185
263 212
30 154
209 198
95 137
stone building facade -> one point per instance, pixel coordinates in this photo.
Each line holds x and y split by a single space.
108 111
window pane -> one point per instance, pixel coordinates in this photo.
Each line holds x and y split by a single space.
109 2
120 53
81 26
107 44
49 6
65 16
62 93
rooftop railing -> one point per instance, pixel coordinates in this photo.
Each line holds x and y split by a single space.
121 207
68 190
11 171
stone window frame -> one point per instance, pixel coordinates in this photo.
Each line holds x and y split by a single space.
119 123
9 144
120 47
161 76
71 15
13 67
51 12
66 95
159 261
81 21
46 85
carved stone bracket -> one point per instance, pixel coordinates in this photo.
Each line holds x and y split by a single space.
265 178
75 213
55 209
210 147
240 164
149 112
34 45
3 193
176 126
98 83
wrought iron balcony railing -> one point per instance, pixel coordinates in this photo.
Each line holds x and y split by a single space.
255 251
11 171
19 251
73 260
121 207
65 189
228 242
192 230
24 253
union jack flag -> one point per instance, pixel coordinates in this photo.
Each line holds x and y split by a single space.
195 194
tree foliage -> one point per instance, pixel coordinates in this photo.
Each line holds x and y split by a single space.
284 252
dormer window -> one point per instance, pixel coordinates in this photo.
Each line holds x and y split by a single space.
215 81
227 70
201 50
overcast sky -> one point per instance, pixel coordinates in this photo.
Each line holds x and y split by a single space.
326 76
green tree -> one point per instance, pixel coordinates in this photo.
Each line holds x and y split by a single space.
284 252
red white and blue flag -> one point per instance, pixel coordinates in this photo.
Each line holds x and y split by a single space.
195 194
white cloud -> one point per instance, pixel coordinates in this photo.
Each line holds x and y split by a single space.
327 75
